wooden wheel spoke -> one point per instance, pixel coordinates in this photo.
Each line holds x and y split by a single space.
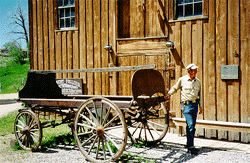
32 133
88 139
141 131
145 131
84 133
86 118
113 127
92 145
111 121
31 140
98 146
104 150
21 127
34 138
154 129
85 125
112 141
29 119
19 137
35 126
21 122
150 132
106 117
96 111
28 130
109 148
31 122
34 130
136 128
91 115
101 113
158 124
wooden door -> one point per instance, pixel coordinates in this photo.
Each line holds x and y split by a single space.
141 18
159 59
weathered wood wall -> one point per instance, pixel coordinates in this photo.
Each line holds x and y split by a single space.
209 42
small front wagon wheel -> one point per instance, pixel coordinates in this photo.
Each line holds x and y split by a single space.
150 128
100 130
28 130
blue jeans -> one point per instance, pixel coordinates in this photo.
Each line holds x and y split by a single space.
190 112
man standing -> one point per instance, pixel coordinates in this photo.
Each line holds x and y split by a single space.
191 97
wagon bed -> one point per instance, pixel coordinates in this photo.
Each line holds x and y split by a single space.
100 123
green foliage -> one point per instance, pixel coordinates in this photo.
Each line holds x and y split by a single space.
133 158
15 51
142 144
18 56
12 74
17 147
60 135
7 123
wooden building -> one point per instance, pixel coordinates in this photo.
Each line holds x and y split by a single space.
72 34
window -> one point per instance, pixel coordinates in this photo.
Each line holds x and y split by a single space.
66 13
186 8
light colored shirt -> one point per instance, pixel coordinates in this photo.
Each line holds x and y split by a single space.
190 89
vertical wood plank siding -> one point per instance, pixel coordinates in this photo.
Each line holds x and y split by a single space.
209 42
244 65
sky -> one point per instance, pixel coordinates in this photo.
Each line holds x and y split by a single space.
7 7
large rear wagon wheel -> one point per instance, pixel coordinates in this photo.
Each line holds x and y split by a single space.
100 130
150 126
28 130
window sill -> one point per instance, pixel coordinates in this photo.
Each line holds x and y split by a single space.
66 29
188 18
144 38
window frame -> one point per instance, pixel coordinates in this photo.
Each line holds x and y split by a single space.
173 15
57 17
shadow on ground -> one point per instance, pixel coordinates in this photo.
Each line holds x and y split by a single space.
159 153
162 152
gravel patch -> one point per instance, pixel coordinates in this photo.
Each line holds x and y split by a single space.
160 153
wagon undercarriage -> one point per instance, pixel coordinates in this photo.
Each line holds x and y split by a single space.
100 124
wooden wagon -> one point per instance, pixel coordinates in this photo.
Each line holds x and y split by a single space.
100 124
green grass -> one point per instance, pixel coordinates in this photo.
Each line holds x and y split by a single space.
12 74
7 123
59 135
51 136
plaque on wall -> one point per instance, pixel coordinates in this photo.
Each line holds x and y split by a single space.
70 86
230 72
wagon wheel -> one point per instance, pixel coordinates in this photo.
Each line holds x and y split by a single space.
100 130
28 130
149 126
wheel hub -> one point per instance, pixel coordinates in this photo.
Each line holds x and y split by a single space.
25 130
99 130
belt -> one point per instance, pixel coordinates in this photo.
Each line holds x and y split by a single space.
189 102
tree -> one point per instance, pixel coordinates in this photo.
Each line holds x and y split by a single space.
19 19
15 51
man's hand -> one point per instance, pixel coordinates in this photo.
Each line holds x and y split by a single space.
200 110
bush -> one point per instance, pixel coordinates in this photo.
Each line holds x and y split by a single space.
18 56
15 52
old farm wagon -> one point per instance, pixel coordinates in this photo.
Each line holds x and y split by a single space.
110 34
100 124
